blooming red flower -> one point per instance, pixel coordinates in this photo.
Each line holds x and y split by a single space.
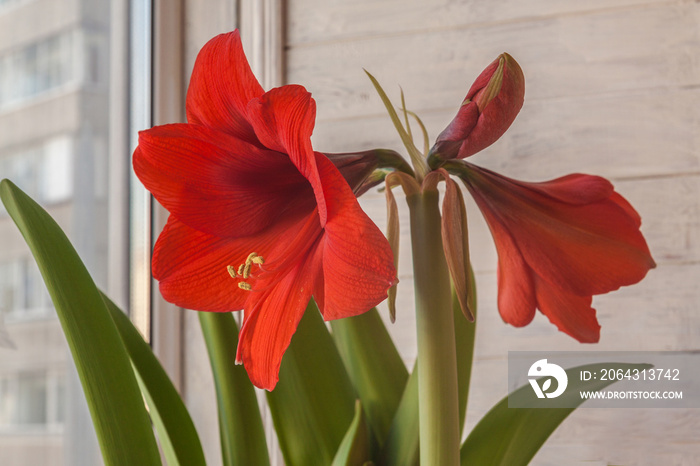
559 243
258 220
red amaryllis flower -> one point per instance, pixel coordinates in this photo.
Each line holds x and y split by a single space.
258 220
487 111
559 243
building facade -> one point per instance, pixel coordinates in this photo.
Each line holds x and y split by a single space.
54 83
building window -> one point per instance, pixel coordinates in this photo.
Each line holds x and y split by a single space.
23 294
44 172
37 68
32 400
6 4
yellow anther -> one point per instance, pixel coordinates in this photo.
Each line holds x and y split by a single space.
244 269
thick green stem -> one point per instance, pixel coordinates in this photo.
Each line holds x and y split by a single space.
437 365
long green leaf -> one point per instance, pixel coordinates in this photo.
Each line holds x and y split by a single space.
374 365
240 426
511 436
464 340
113 396
313 403
355 448
402 444
174 426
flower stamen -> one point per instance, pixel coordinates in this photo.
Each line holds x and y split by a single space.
244 270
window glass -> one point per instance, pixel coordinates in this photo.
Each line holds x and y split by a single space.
55 118
37 68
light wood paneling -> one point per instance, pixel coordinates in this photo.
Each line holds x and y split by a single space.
318 21
645 49
612 89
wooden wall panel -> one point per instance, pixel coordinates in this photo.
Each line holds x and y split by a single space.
612 89
313 21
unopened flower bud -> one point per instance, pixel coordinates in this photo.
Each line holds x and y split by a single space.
487 111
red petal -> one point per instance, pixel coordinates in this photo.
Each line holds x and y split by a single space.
283 119
572 314
191 267
358 265
582 248
516 292
271 318
221 86
574 189
218 184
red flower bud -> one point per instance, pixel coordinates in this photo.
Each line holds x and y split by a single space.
487 111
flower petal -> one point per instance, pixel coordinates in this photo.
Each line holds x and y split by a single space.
358 265
217 183
516 292
190 267
572 314
583 248
271 318
283 119
221 86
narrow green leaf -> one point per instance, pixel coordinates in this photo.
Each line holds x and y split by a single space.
402 446
240 426
464 339
511 436
354 450
174 426
405 116
426 139
374 365
419 163
113 396
313 402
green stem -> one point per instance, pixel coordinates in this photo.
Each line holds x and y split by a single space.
437 365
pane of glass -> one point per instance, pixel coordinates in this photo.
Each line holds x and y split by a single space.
54 142
31 403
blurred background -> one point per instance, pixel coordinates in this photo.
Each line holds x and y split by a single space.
612 88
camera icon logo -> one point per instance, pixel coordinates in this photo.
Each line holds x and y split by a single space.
542 368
